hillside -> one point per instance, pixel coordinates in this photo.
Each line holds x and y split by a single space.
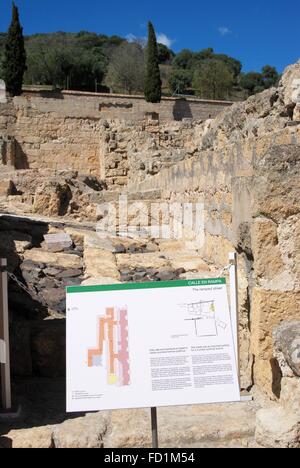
89 61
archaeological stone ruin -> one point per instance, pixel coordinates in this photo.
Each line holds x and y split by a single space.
64 154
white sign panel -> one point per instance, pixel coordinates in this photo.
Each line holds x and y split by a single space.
2 92
149 344
2 352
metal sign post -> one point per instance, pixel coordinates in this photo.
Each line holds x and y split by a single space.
4 339
234 304
154 428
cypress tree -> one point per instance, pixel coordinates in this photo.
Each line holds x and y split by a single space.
153 81
14 64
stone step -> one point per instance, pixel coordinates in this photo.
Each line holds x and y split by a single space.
218 425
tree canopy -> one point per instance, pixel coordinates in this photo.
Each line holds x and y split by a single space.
88 61
213 79
153 81
14 63
126 70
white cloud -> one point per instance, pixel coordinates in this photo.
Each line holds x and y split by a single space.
165 40
224 30
131 37
161 39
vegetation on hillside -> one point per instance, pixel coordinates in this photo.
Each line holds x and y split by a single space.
94 62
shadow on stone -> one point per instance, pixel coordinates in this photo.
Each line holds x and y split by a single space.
5 443
277 377
182 110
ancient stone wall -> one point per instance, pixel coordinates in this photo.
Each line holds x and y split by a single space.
243 165
123 107
246 171
63 131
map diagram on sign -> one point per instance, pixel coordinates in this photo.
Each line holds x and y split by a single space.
112 346
203 316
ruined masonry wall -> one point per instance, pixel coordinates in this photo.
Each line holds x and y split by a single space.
63 131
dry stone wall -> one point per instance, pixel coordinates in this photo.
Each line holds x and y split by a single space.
63 131
243 165
125 107
246 171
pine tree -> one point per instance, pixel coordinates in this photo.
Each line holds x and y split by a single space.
14 64
153 81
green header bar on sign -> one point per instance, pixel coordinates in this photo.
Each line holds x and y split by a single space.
150 285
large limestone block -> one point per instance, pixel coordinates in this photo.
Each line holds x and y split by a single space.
192 426
189 262
217 249
37 437
290 393
96 241
276 183
175 246
52 199
58 259
144 260
278 428
267 256
86 432
100 281
129 428
100 263
77 235
269 309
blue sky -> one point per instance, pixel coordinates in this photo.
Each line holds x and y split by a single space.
256 32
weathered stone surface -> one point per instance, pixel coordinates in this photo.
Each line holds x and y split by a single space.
128 428
189 262
191 426
278 428
86 432
60 260
72 273
99 281
52 199
290 393
204 426
287 341
275 181
50 271
268 309
100 263
265 245
96 241
243 166
289 84
35 438
57 242
145 260
6 187
55 298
